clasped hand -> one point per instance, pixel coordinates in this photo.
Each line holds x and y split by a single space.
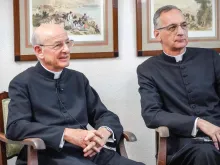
92 141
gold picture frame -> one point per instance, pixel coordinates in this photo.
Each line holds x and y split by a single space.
95 33
206 37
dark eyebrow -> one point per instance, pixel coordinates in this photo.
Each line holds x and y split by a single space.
177 24
183 22
173 24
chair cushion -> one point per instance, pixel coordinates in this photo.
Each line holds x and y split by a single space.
11 149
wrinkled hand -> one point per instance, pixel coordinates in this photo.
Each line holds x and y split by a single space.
211 130
77 136
97 142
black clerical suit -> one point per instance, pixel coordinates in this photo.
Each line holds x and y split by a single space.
43 107
174 94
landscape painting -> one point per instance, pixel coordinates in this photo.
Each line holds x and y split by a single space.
82 19
200 14
92 24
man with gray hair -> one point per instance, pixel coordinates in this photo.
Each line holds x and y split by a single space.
180 89
54 103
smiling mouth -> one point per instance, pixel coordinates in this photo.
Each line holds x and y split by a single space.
180 40
64 57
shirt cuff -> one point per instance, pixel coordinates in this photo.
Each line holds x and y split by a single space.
195 129
62 142
111 139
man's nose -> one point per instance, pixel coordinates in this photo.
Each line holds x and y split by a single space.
180 30
65 47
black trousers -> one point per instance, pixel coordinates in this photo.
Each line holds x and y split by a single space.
195 152
109 157
51 157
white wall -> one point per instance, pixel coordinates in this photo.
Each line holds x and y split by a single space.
114 79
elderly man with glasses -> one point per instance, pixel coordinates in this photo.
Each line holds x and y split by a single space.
180 89
56 104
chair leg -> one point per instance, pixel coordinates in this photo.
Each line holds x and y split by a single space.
32 156
3 159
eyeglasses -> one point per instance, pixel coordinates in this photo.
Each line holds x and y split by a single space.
174 27
60 45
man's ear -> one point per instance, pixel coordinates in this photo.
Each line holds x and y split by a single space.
157 35
38 51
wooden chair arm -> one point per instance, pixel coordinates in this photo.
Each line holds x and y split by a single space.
161 144
129 136
163 131
36 143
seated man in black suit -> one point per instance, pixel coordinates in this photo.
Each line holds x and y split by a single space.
180 89
54 103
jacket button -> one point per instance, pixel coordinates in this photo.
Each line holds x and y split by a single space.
193 106
192 99
182 67
186 82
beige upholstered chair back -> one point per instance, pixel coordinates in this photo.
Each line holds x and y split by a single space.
11 149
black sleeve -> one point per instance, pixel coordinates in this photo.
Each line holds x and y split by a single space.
99 115
20 124
152 107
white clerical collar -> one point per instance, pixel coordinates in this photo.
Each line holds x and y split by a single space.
56 74
179 57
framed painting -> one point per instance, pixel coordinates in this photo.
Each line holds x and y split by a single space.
202 16
92 24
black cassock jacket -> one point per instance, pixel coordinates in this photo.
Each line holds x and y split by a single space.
174 93
43 107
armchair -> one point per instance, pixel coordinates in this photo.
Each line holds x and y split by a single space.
9 148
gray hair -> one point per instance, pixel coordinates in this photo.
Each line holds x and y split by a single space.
35 39
160 11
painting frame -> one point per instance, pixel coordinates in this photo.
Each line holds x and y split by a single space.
145 47
18 44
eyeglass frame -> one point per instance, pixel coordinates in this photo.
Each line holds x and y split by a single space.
54 45
177 25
